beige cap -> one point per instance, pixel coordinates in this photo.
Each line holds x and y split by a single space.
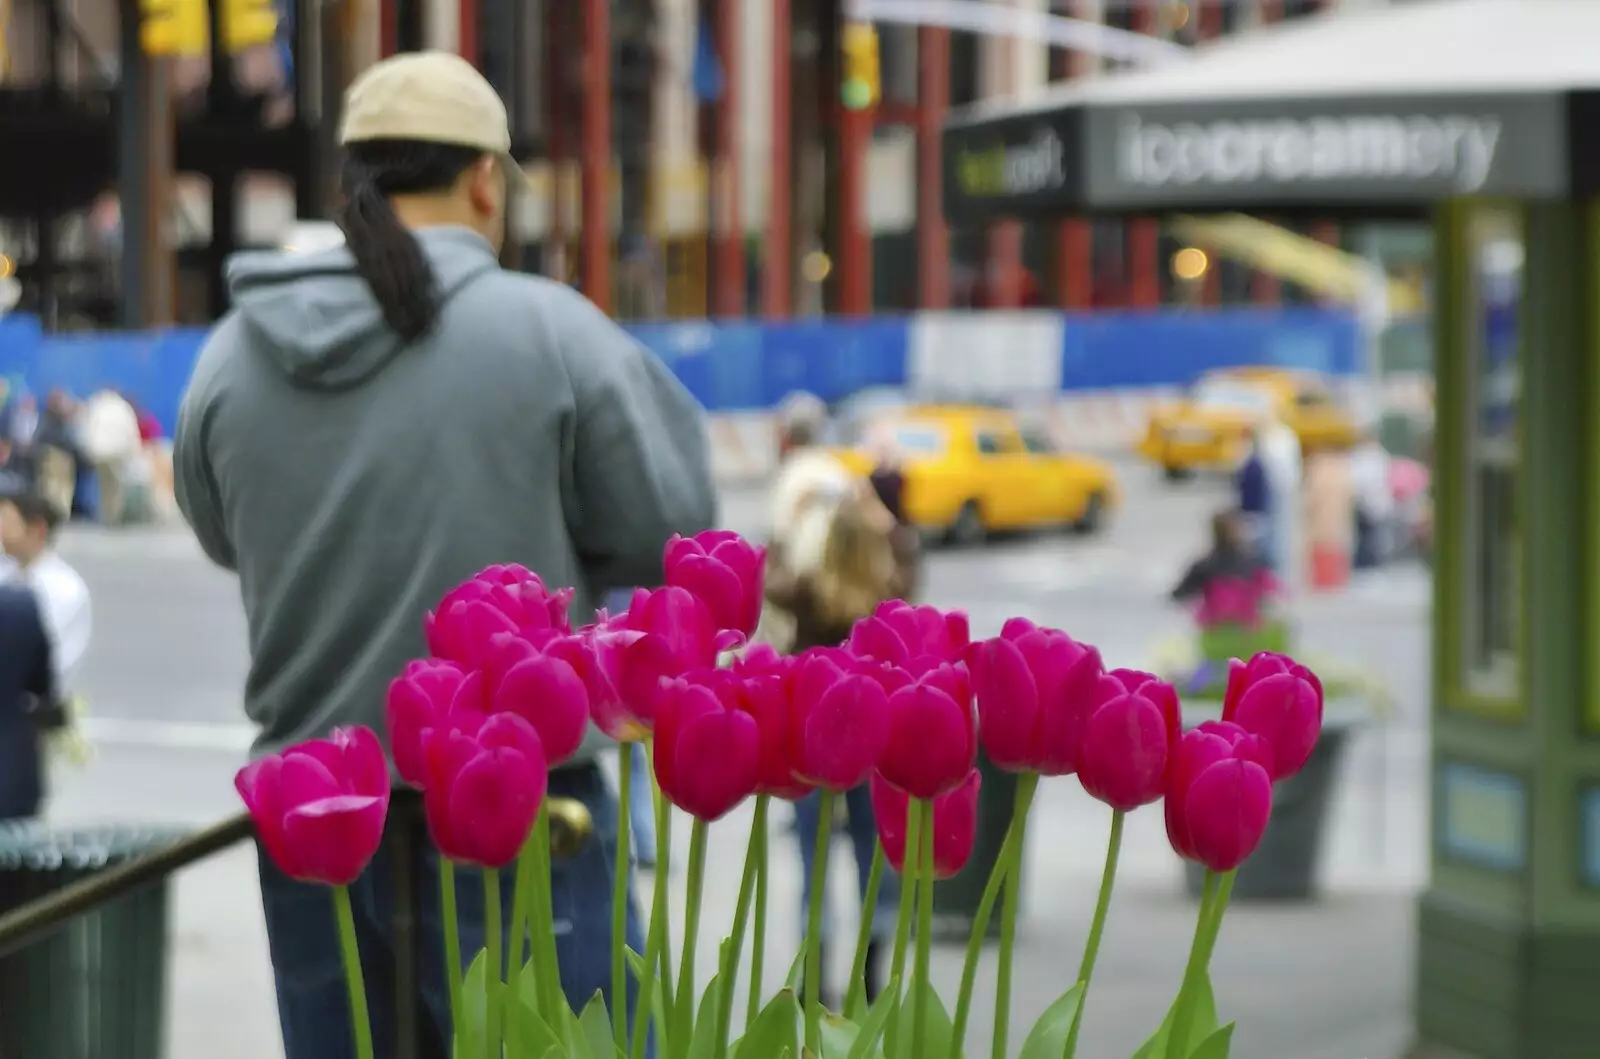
432 96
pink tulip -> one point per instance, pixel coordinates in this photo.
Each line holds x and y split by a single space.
933 731
1035 689
767 692
320 806
499 600
486 780
546 690
1280 700
955 824
898 632
426 692
1219 795
839 720
725 572
707 746
665 633
1129 739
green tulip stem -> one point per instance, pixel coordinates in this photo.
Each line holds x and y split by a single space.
619 897
541 915
902 928
493 930
657 960
855 998
1213 901
1027 783
813 938
515 935
758 944
919 1001
683 1019
1008 919
360 1021
1097 928
452 939
728 973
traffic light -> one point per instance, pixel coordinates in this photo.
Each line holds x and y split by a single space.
861 82
247 23
174 27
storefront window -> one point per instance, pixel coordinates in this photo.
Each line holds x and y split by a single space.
1493 530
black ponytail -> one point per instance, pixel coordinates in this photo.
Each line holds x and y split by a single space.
387 255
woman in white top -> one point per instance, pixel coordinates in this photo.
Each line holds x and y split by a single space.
27 532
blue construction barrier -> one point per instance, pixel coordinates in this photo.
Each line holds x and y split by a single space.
745 365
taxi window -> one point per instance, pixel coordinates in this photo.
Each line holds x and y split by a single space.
919 439
1037 443
989 443
1232 395
1313 399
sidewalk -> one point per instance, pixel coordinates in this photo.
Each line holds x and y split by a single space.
1327 980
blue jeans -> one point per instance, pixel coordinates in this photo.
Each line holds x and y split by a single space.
863 830
313 1008
641 808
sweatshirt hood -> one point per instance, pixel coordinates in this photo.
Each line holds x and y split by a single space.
316 318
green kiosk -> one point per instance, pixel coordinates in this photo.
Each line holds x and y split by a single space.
1484 116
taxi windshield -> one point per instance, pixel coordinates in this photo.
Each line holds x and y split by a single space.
919 439
1231 395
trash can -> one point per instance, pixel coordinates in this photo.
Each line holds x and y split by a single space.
956 899
96 988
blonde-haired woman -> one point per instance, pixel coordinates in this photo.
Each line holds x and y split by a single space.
863 561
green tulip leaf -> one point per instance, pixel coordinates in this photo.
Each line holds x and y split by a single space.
797 971
776 1031
534 1030
1048 1038
872 1027
703 1035
658 1000
936 1028
839 1035
593 1039
470 1026
1215 1046
1201 1026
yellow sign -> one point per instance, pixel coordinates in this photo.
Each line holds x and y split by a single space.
174 27
248 23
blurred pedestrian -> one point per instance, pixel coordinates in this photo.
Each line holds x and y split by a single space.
1280 458
109 439
859 568
59 454
1374 501
371 424
1254 489
1232 557
26 685
28 525
1330 518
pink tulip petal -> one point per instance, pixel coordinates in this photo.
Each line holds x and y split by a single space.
1227 810
492 806
1287 713
877 639
550 695
1196 751
1125 749
445 753
1008 703
679 703
890 806
306 777
930 746
955 826
845 733
717 760
1237 680
514 733
715 584
260 787
334 838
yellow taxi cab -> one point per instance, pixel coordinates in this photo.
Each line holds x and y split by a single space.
971 471
1210 428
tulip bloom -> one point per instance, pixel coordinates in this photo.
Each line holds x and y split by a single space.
725 572
933 732
499 600
767 689
898 632
707 746
839 720
955 824
1036 688
424 695
486 780
320 806
1219 795
1128 740
1280 700
546 689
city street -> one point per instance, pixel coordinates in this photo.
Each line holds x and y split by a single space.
1330 980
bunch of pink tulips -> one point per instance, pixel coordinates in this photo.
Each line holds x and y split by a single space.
904 705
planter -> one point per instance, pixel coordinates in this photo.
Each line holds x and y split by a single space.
1284 866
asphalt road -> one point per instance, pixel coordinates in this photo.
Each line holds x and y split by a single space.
1323 981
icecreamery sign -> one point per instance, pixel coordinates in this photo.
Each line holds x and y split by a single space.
1032 168
1454 150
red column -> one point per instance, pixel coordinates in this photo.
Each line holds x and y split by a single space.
1143 233
933 236
1074 236
1005 278
1327 231
467 30
777 281
388 29
596 255
729 296
1265 289
853 258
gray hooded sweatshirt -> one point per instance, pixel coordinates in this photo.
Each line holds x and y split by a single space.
352 479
